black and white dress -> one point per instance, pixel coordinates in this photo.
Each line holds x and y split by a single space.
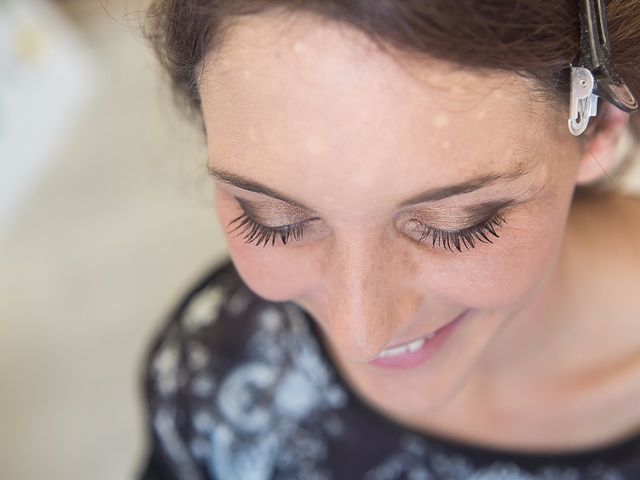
239 388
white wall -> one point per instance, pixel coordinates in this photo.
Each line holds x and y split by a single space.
109 233
47 76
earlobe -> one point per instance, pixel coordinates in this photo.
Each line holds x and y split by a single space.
600 154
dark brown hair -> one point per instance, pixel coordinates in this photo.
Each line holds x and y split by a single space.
535 38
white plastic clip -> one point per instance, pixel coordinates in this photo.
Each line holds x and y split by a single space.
583 102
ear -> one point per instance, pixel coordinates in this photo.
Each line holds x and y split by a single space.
602 144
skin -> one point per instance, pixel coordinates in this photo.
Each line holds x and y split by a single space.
316 112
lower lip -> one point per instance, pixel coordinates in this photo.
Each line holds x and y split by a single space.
430 348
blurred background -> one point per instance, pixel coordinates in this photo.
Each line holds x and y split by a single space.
106 219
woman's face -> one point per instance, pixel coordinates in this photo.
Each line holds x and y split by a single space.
371 163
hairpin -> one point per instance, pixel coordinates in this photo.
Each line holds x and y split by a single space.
594 75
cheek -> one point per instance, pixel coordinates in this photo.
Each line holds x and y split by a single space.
274 273
509 272
271 275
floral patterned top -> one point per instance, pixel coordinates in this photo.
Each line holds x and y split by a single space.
240 388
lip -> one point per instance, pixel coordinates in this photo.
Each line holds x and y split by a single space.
430 348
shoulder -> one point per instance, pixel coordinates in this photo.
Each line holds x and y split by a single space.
198 311
201 339
229 366
210 324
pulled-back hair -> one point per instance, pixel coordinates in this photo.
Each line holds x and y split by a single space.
538 39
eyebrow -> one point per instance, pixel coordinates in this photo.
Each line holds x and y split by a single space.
430 195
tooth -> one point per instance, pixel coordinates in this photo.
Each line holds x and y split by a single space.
395 351
413 346
409 347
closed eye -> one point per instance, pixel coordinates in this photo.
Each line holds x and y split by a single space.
258 234
464 238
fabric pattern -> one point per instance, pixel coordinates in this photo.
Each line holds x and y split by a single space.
239 388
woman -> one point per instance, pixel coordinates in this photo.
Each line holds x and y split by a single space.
422 284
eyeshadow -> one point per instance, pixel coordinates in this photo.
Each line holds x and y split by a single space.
273 213
454 218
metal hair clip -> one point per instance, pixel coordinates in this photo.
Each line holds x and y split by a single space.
594 75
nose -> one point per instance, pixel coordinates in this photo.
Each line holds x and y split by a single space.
369 303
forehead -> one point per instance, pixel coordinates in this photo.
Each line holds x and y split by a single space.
298 89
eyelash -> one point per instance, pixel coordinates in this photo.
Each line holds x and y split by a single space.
257 233
467 237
